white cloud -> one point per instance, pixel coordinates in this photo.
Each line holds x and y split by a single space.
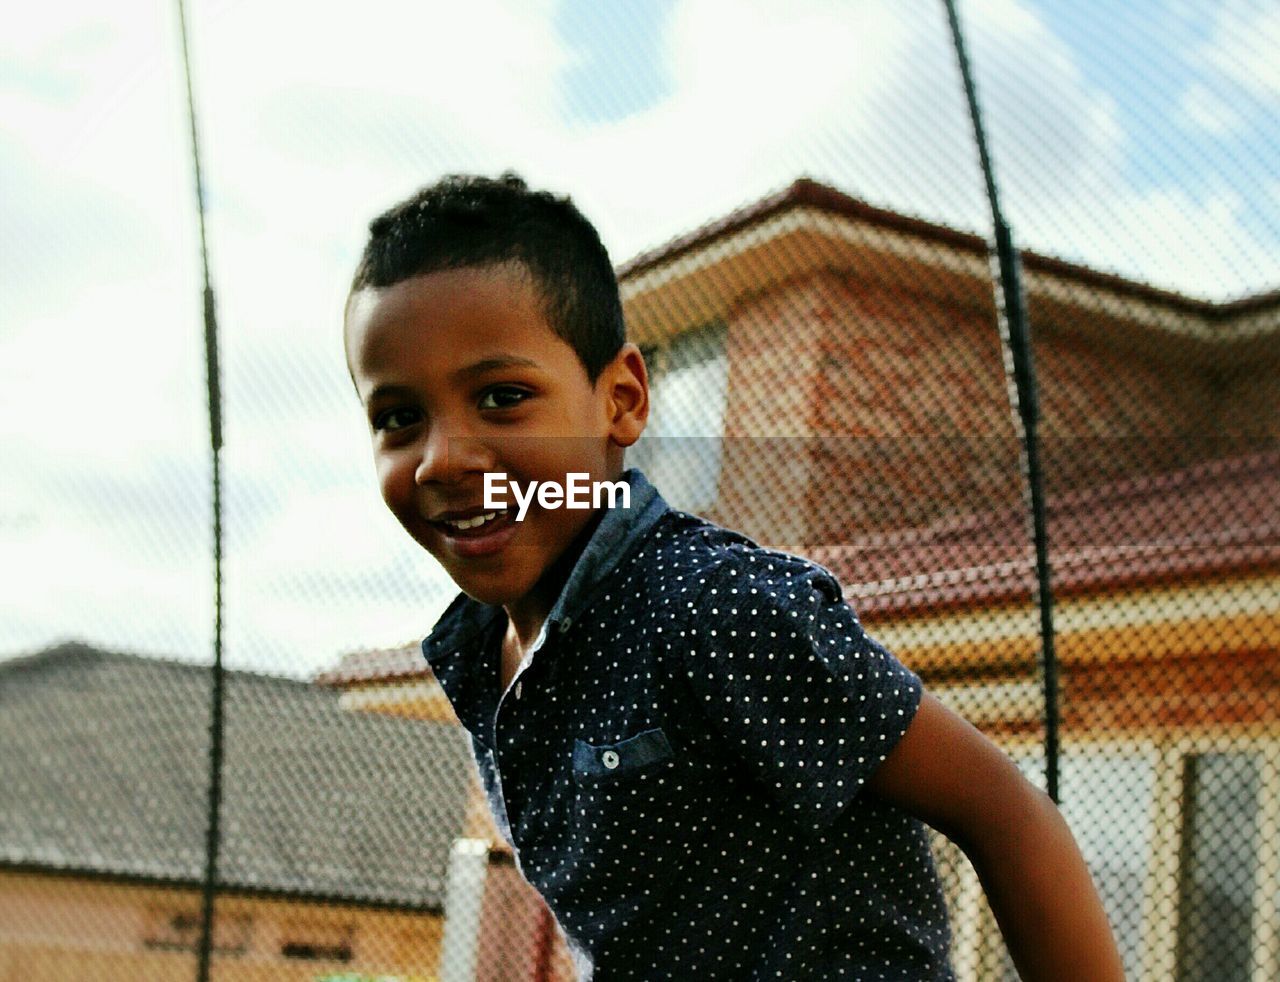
761 96
329 570
1245 40
1205 109
1184 238
1079 185
107 572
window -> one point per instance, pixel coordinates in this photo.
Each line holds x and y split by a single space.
169 929
1206 857
1107 795
682 446
1219 865
318 942
173 930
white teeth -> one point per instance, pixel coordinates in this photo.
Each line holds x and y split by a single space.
470 523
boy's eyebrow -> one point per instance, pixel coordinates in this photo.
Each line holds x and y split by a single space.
500 360
490 364
387 391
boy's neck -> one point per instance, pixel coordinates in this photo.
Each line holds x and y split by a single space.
526 616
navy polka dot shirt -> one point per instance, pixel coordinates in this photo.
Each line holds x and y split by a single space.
678 758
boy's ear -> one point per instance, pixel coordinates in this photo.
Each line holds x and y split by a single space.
627 381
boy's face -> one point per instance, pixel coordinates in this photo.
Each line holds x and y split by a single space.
460 375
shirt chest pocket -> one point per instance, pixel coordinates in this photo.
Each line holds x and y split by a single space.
623 824
595 764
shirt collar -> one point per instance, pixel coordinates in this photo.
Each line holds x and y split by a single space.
618 531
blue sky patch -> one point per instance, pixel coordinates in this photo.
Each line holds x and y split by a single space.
619 66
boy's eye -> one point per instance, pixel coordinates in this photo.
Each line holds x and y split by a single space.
502 397
395 419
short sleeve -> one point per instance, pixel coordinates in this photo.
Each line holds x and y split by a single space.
792 684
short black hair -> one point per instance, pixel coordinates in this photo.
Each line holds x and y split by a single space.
466 220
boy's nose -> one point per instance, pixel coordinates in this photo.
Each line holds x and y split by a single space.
447 456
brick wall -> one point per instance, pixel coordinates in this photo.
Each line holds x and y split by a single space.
855 406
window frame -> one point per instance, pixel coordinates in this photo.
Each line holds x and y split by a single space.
658 360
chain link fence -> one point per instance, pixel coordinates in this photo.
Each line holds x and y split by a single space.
827 376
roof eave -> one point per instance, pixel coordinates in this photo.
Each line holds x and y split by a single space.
699 276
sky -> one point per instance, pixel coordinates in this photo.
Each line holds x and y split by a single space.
1138 138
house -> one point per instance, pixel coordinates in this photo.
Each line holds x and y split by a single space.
828 378
341 832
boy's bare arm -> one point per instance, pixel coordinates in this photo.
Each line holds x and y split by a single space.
950 775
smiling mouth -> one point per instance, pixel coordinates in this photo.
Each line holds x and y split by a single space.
484 536
476 527
478 521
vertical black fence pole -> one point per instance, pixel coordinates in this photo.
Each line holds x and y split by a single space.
1021 379
215 436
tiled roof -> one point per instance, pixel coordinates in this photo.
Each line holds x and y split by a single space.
104 764
376 665
1218 517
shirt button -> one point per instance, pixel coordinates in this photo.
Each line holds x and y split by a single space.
610 759
518 685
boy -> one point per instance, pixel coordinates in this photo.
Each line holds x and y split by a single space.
704 765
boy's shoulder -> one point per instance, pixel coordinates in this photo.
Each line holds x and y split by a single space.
705 558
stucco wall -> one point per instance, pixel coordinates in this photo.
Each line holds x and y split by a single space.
54 928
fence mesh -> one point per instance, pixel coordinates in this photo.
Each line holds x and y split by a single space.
795 202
